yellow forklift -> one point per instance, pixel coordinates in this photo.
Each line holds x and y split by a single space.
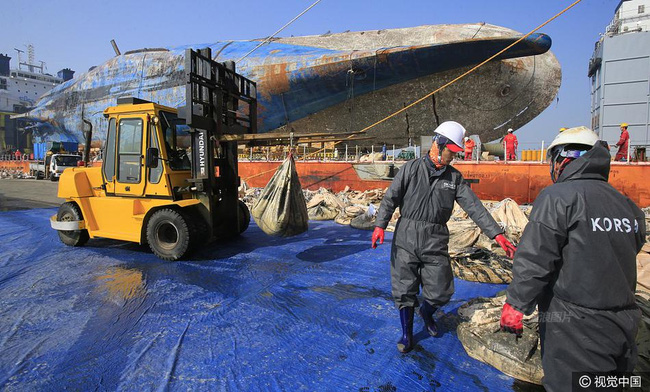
169 176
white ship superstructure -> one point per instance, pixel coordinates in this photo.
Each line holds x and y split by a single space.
620 75
20 88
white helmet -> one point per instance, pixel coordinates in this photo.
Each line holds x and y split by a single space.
466 138
454 132
509 130
577 135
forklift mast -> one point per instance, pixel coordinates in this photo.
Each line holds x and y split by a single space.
218 102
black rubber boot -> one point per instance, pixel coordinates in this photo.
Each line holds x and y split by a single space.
427 311
405 344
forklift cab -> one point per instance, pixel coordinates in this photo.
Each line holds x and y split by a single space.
144 141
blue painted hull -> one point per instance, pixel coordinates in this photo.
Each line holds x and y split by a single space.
294 81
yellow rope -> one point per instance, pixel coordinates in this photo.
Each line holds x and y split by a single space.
473 69
445 85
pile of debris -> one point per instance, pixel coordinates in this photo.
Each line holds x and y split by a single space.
14 174
479 332
643 272
475 257
371 157
646 211
249 195
477 264
354 208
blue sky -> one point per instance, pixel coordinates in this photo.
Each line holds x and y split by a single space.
77 33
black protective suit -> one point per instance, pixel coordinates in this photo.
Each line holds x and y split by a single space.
577 261
419 254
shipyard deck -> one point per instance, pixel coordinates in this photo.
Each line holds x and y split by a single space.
311 312
520 181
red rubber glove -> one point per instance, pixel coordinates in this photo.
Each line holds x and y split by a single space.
512 320
506 245
378 234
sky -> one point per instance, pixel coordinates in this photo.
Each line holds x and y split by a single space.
76 34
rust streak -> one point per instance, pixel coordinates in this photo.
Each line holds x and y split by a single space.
275 80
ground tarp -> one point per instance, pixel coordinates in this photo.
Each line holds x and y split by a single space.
310 312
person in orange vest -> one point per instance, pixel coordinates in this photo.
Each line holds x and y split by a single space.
621 155
17 154
469 148
510 140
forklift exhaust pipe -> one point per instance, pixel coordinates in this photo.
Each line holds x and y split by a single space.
89 137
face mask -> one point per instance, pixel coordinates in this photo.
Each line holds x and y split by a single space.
434 155
561 158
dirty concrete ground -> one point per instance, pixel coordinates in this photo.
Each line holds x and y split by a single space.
21 194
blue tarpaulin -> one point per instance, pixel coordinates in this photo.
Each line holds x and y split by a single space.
312 312
41 149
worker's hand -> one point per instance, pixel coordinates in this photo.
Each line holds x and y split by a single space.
506 245
512 320
378 234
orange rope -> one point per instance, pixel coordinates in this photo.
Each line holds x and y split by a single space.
443 86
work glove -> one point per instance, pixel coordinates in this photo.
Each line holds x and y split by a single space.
378 234
506 245
512 320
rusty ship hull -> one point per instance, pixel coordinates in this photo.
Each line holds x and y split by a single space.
337 83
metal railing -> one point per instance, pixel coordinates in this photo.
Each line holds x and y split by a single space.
338 153
13 157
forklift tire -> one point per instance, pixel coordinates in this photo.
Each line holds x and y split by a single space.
52 177
244 217
168 234
199 229
70 212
